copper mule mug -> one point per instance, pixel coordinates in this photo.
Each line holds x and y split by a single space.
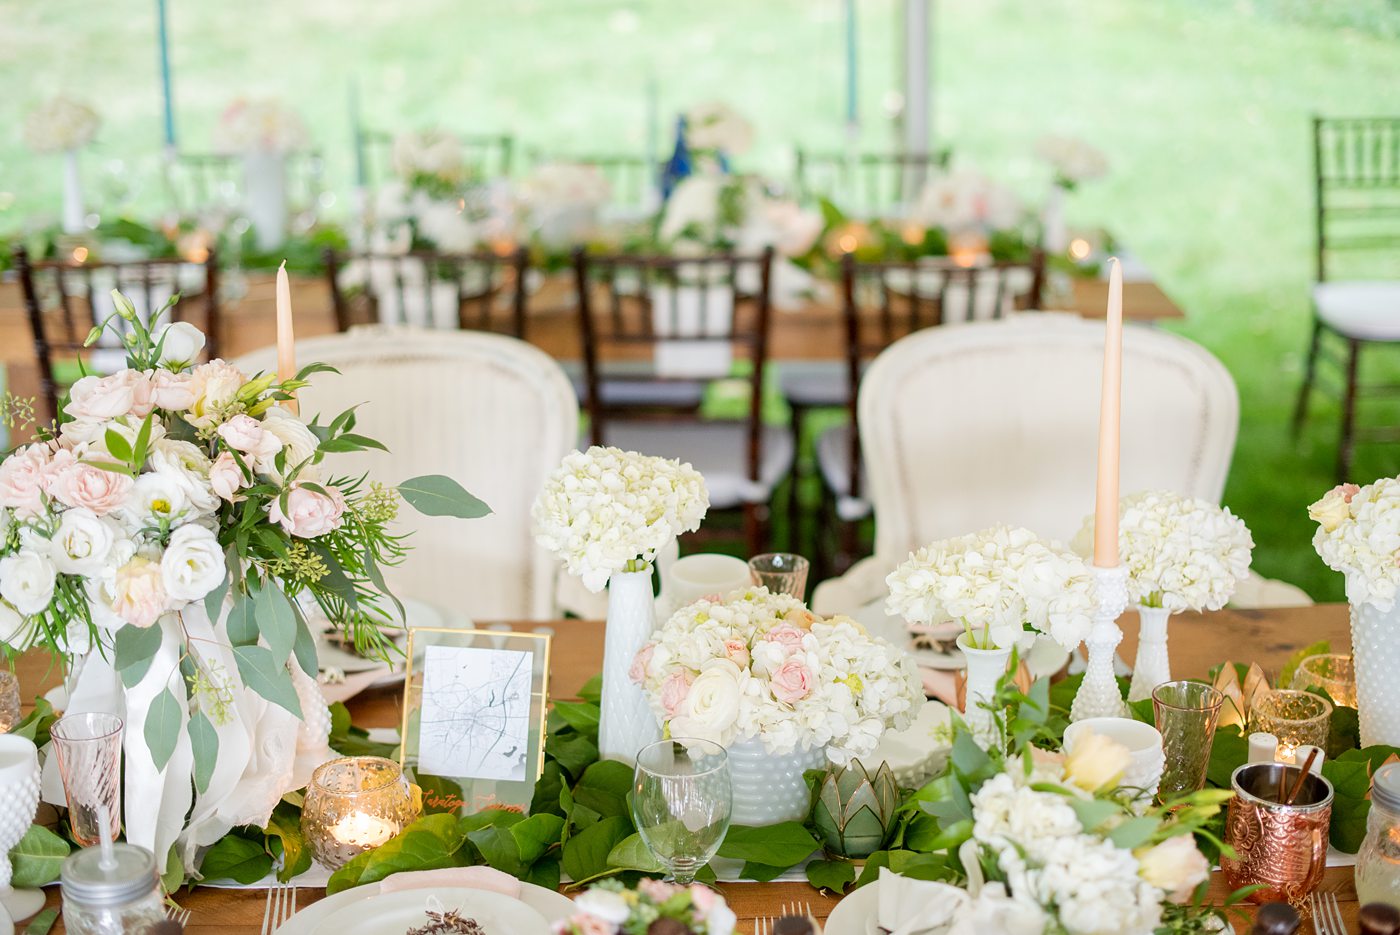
1281 847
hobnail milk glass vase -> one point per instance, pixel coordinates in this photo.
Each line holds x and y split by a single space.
626 724
769 788
265 194
1152 666
1375 650
1056 233
985 667
19 798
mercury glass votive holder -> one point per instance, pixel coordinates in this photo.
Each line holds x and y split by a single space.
355 804
1296 718
9 701
1331 672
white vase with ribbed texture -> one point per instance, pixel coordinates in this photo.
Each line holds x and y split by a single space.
627 723
1375 650
1152 667
985 667
265 196
769 788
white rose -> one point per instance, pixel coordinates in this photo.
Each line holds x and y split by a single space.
16 631
193 564
180 343
1175 866
298 444
712 707
605 905
186 466
82 543
26 581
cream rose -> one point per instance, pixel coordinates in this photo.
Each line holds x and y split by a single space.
187 466
1096 762
26 581
711 710
309 514
1334 508
84 486
1175 866
246 434
97 399
23 478
214 387
298 444
180 343
138 592
173 392
82 542
226 477
193 564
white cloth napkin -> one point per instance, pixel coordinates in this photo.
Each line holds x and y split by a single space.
914 907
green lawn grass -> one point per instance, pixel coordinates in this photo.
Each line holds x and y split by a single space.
1202 106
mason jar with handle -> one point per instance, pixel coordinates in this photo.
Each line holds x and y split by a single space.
114 895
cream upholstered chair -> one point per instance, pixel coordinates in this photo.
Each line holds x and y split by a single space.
971 425
489 411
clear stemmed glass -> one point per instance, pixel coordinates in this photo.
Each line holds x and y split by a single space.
681 802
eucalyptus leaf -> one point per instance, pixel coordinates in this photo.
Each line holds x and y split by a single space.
438 495
214 600
242 623
304 649
133 650
275 620
204 742
267 676
162 729
37 858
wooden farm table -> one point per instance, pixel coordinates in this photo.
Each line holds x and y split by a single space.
1199 641
815 332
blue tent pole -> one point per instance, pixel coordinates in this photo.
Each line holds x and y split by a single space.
852 105
163 37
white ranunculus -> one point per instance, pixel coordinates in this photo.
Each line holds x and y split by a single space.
82 543
180 343
298 444
1174 866
605 905
27 581
193 564
711 710
186 466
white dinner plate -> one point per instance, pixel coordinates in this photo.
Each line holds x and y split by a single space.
551 906
387 913
856 914
1045 658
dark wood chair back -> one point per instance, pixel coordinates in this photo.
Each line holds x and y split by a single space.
490 288
1356 163
869 183
66 300
200 180
669 311
490 154
631 178
883 301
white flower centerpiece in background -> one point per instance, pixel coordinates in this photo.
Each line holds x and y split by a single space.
1072 162
782 689
970 208
1181 553
1003 586
64 125
607 513
1358 534
713 129
262 132
167 538
564 201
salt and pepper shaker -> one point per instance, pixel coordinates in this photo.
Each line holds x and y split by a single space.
1263 747
1379 919
1276 919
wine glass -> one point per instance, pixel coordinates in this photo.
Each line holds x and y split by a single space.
681 801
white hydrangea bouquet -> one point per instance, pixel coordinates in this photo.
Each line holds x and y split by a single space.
607 513
564 202
964 201
59 125
1181 553
259 125
168 536
756 665
1071 159
716 128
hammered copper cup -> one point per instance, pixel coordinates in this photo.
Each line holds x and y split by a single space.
1282 848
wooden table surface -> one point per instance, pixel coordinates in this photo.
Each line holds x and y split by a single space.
1198 642
815 332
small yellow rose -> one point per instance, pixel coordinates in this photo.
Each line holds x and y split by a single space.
1175 866
1096 762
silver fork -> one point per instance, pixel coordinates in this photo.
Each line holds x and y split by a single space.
175 914
1327 915
281 906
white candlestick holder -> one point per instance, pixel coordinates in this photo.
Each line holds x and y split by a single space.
1098 694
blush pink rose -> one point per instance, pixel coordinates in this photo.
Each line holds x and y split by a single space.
586 924
309 514
787 636
246 434
737 652
791 682
225 477
80 484
173 392
139 592
24 478
703 897
97 399
658 891
638 672
1347 491
675 690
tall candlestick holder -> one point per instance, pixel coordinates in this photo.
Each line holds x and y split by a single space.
1098 694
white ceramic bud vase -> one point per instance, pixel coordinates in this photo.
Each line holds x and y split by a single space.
985 667
73 214
1375 651
265 194
1152 667
626 723
1055 233
769 788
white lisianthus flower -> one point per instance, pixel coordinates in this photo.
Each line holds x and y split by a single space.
193 564
298 445
1175 866
156 497
603 904
180 343
186 466
82 542
27 581
711 710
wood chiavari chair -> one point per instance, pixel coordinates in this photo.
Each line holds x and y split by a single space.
201 180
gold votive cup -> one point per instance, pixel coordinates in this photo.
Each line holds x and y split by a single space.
354 804
1296 718
1334 673
1281 848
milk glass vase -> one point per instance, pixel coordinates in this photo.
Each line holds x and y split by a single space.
1375 650
1152 666
626 722
985 667
769 788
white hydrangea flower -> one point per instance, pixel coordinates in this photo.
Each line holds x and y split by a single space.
560 185
259 125
997 582
60 124
1359 535
965 200
1073 160
714 125
604 509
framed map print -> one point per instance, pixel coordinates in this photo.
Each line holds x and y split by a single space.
474 714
